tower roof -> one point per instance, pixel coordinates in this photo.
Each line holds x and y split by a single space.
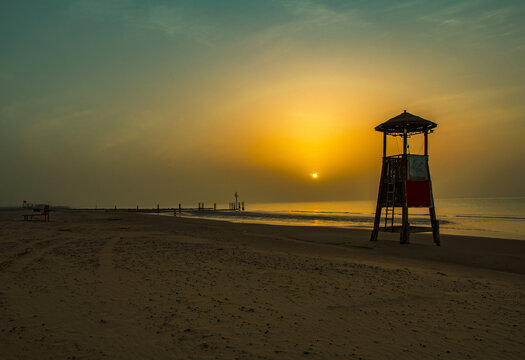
405 120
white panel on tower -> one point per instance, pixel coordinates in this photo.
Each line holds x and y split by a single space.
417 168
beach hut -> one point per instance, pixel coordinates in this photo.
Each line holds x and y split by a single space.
405 179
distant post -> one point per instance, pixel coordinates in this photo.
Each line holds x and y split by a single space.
158 208
214 206
180 208
243 206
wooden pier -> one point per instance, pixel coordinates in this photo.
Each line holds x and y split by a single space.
201 207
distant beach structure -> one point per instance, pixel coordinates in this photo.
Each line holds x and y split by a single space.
405 180
237 205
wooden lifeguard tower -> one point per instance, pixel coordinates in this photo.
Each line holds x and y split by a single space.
405 180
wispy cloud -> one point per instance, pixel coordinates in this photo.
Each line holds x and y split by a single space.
492 20
314 13
170 19
307 22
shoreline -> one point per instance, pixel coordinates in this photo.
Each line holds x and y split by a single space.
132 286
496 223
448 232
507 254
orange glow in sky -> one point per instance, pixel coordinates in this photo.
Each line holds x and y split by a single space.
187 109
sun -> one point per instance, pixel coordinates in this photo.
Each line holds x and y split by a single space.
314 175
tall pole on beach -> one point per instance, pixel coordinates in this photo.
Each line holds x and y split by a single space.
236 203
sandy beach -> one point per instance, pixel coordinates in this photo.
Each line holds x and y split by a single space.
115 285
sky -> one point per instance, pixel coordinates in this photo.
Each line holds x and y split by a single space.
130 102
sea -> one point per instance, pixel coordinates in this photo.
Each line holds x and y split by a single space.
486 217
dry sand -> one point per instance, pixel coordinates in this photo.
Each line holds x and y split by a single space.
91 285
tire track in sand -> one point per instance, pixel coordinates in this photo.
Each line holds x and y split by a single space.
117 313
109 283
30 252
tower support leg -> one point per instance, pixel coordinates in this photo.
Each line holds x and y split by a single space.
435 226
373 237
380 194
405 235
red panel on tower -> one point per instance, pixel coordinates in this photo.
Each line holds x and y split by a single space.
418 194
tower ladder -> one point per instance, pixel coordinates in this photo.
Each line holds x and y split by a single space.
390 197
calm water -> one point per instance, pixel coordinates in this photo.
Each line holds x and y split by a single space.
488 217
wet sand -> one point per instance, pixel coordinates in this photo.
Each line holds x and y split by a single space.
91 285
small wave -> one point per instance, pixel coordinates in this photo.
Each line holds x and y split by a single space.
326 218
326 212
495 217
